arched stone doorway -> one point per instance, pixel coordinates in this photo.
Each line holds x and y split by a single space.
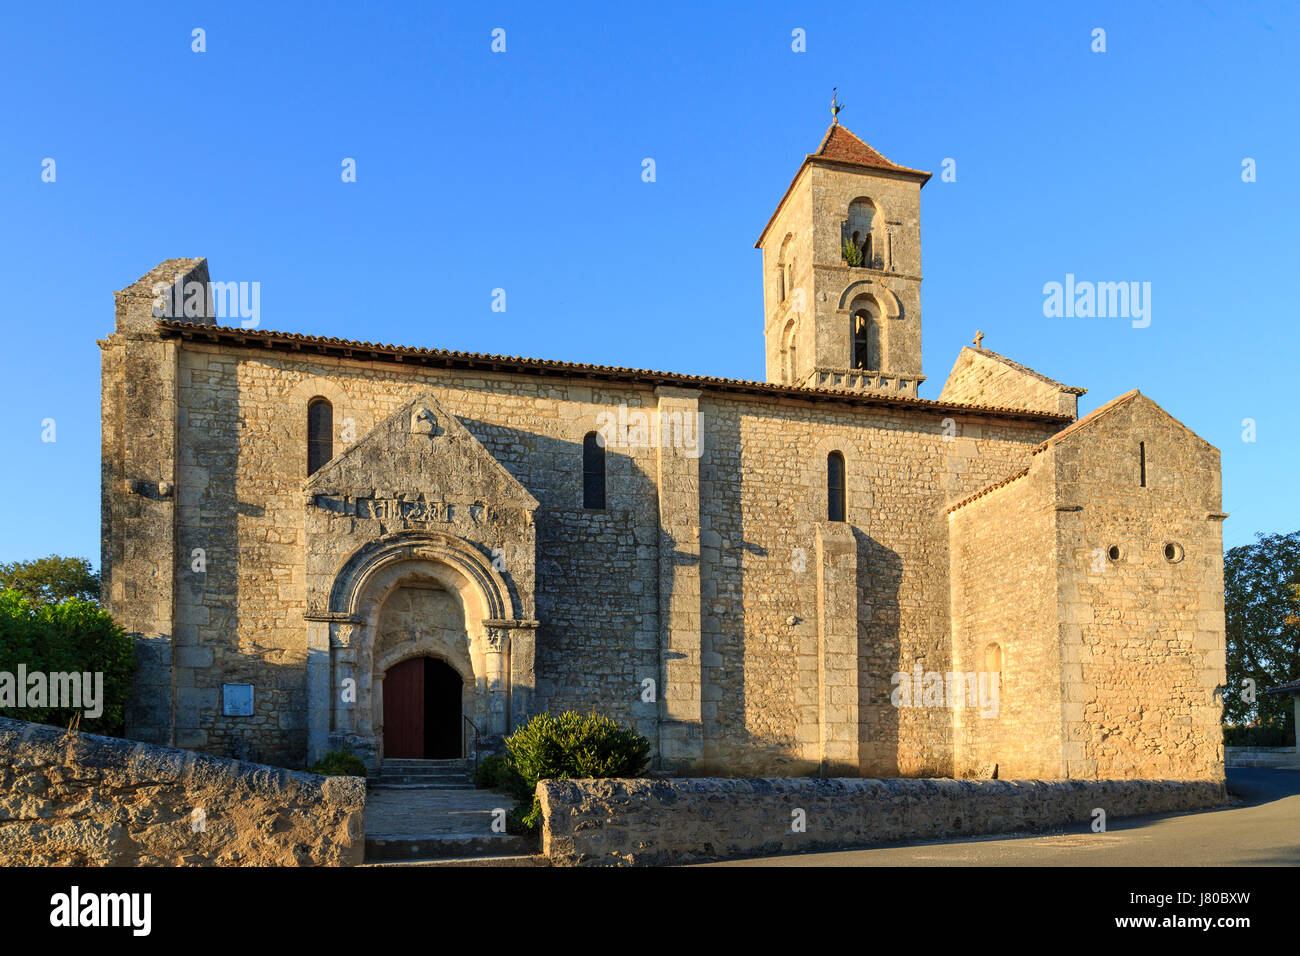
411 596
422 710
424 670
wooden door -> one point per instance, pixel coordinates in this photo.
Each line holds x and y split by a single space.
404 709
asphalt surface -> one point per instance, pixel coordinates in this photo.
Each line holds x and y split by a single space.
1262 828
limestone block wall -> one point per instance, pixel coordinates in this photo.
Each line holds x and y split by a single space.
789 240
653 822
242 439
897 231
762 498
138 477
1142 634
983 378
754 497
1004 617
86 800
806 232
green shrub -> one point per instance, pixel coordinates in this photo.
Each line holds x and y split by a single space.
495 773
570 746
852 254
72 636
1271 733
339 763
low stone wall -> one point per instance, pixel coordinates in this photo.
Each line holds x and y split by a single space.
1278 758
613 822
86 800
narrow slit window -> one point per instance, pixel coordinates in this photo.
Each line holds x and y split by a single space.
593 471
1142 462
320 434
835 504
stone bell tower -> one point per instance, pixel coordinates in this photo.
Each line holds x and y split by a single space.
842 272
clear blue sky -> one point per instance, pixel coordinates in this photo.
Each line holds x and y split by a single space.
522 171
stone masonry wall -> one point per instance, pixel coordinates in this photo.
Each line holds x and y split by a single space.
1004 615
762 496
643 822
983 378
86 800
762 490
1142 634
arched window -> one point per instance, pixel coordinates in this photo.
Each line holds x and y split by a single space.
593 471
320 434
866 340
862 218
993 659
789 354
835 487
785 268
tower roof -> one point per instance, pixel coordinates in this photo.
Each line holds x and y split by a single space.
841 147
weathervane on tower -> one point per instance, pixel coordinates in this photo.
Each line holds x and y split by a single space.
836 106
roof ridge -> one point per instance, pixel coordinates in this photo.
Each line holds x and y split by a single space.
988 488
1078 390
1097 413
526 364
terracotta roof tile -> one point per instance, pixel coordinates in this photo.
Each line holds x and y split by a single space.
842 145
370 351
984 491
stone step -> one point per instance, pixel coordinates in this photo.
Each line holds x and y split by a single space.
535 859
446 846
433 774
460 762
422 785
445 774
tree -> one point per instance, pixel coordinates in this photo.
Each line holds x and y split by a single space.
77 661
51 580
1261 603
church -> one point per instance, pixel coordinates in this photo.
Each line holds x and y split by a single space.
320 543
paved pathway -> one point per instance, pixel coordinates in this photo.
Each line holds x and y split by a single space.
1262 829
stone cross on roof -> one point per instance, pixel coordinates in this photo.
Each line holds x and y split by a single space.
979 337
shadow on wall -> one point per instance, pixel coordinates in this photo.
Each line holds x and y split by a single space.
595 598
880 573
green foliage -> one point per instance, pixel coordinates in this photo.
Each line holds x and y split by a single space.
71 636
1279 733
53 579
495 773
1263 627
339 763
570 746
852 254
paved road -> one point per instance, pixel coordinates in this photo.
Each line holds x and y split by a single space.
1261 829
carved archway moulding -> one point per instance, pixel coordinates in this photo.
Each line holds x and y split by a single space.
489 595
500 644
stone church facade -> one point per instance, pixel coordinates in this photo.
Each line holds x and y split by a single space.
319 542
